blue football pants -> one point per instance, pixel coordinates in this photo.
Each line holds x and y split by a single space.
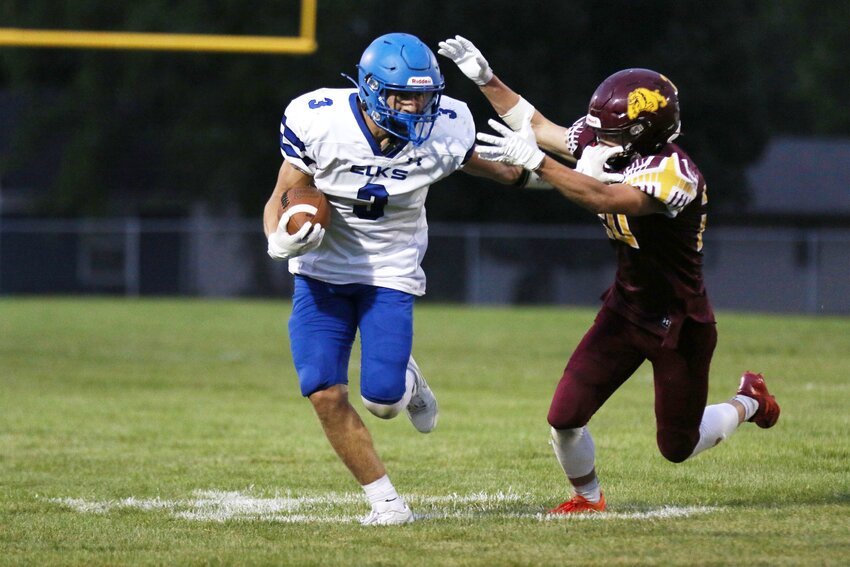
324 321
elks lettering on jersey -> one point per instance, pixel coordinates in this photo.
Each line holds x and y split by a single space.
378 171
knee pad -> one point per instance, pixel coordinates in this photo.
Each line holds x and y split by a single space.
566 414
676 446
384 411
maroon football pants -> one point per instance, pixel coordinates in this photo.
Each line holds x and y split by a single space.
612 350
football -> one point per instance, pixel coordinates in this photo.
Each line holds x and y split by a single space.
307 204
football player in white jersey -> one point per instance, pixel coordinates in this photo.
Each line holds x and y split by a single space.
373 150
652 201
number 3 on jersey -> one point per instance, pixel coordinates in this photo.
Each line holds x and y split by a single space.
377 198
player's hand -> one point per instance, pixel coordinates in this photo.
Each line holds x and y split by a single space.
521 124
511 147
593 160
468 58
283 246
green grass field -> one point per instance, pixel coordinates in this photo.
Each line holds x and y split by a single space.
172 432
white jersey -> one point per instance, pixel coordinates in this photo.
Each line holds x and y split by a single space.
378 233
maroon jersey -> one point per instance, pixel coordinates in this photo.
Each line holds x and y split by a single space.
659 279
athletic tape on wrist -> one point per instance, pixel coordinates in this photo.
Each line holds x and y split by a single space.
519 113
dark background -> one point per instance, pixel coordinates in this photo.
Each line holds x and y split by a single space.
99 132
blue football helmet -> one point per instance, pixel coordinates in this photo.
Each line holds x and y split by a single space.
400 62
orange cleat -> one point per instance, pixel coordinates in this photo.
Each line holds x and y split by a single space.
580 505
753 386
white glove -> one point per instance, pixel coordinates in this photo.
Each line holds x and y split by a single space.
593 160
511 147
468 58
524 128
283 246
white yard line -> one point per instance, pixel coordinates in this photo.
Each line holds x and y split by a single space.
221 506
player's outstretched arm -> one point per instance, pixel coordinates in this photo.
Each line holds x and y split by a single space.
517 112
503 173
601 193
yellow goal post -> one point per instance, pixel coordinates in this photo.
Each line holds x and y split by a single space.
303 44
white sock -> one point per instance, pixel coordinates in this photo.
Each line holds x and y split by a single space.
751 405
576 453
590 491
719 421
382 490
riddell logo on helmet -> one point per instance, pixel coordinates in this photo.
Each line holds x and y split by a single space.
593 121
420 81
645 100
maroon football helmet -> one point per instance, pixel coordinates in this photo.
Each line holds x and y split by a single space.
637 109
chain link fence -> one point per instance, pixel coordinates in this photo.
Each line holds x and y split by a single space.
757 269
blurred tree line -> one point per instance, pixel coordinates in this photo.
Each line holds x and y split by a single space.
148 132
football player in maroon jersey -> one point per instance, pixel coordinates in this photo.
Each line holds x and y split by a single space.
651 199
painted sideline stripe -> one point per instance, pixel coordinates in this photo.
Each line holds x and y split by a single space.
221 506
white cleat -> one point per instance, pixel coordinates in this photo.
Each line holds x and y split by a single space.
422 408
393 513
